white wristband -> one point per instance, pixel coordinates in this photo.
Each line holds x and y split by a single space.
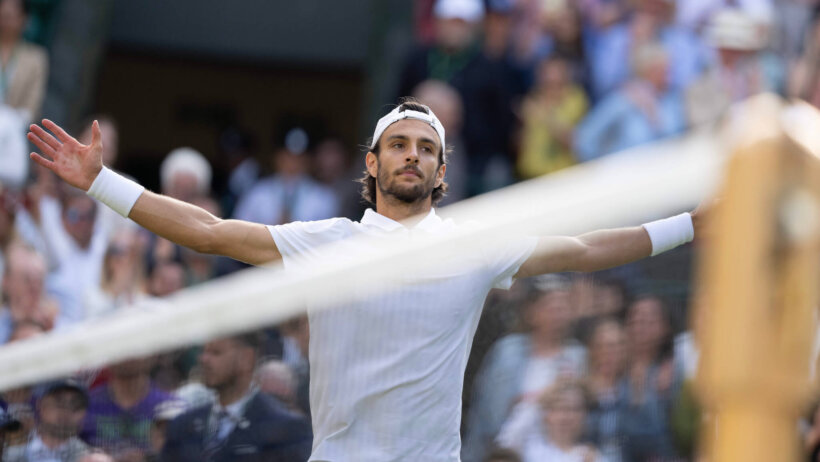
670 232
115 191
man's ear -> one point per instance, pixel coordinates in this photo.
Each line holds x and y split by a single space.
440 175
371 160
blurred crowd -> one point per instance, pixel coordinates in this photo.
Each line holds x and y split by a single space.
575 367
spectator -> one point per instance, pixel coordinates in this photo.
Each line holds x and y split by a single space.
7 424
615 47
295 347
455 57
743 69
7 232
563 409
123 277
549 114
651 382
644 110
446 103
185 174
166 277
61 407
520 366
237 161
23 289
276 379
332 168
696 14
244 424
24 65
289 194
607 361
25 330
76 242
120 411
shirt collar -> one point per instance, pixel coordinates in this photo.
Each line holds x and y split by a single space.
372 218
237 408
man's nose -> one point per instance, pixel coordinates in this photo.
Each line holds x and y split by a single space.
412 155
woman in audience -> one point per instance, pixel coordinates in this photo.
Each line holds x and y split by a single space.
123 276
607 361
651 382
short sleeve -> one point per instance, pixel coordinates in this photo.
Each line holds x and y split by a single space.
504 260
301 239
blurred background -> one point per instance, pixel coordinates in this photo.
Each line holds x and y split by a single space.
258 110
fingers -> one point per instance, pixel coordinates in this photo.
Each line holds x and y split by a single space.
42 161
45 136
96 134
44 146
61 134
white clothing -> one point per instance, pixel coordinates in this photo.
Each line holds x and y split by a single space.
13 147
273 198
387 372
537 449
686 355
525 418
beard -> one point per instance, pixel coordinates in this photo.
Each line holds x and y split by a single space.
407 193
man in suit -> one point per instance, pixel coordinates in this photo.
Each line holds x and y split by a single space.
243 424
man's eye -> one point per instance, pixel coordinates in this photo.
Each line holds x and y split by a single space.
398 146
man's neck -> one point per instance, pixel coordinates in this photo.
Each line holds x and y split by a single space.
235 391
409 214
127 392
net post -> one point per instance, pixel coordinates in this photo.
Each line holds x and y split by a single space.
758 283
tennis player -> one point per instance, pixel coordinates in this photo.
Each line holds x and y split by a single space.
386 373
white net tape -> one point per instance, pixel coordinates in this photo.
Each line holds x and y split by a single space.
623 189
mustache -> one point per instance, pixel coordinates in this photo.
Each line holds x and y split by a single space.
410 168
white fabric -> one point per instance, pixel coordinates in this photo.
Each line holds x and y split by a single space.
537 449
396 114
668 233
273 198
387 372
115 191
13 148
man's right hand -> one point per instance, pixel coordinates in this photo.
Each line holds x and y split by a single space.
77 164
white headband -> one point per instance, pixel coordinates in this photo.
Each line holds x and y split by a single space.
395 115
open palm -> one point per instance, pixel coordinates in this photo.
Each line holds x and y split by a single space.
77 164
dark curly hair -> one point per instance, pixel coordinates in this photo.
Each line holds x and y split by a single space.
369 182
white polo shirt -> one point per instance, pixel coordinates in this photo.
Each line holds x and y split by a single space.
386 373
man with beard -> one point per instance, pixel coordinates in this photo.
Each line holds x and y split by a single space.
61 406
386 372
243 424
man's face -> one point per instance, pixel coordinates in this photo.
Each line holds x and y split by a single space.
407 167
23 281
61 413
78 219
223 361
551 313
564 418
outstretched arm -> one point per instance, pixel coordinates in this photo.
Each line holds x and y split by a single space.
608 248
80 166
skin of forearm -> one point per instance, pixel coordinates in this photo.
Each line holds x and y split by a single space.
177 221
613 247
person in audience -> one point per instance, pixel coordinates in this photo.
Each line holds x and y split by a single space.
97 456
744 67
164 413
244 424
456 57
651 382
123 276
24 292
607 364
563 409
645 109
61 407
290 194
502 455
165 278
25 65
549 114
519 367
120 411
276 379
185 174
